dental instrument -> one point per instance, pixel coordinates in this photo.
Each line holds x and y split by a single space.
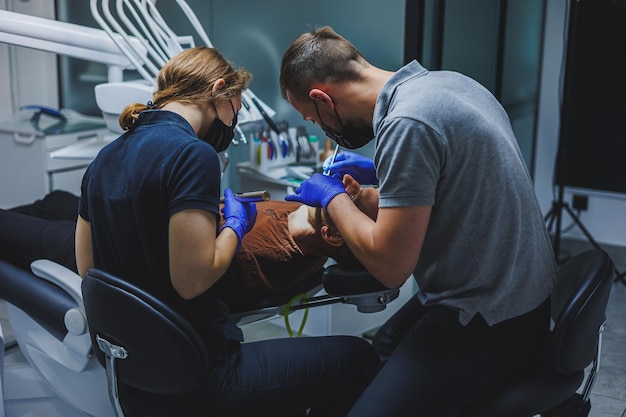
251 196
332 161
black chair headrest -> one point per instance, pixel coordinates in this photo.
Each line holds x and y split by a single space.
341 281
165 353
579 301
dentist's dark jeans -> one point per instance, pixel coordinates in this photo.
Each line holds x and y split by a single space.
273 378
435 367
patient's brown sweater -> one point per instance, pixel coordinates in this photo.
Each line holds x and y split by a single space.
269 260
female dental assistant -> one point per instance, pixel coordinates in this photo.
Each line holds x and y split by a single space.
148 213
457 211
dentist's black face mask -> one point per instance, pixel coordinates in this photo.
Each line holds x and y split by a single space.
353 135
219 134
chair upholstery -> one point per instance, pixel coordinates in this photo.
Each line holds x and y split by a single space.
25 290
341 280
165 355
579 300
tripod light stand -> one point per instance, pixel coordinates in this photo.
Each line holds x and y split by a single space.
554 220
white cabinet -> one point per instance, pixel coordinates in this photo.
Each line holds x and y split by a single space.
27 170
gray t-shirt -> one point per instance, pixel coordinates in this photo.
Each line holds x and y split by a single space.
444 141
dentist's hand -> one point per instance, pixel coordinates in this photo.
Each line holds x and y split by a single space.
317 191
360 167
238 216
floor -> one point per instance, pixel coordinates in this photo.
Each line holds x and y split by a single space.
608 396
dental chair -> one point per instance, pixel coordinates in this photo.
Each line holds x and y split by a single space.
549 386
340 284
64 375
58 376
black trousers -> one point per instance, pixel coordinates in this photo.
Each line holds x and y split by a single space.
435 367
44 229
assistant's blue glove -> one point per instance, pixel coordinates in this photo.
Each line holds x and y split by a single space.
317 191
237 215
358 166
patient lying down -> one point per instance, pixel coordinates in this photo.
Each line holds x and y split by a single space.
288 243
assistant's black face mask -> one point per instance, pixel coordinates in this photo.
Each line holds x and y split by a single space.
219 134
352 137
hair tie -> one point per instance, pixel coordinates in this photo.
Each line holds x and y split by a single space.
151 105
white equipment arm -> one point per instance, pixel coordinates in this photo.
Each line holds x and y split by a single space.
142 19
66 39
144 46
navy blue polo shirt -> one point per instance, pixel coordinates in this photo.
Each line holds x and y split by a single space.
129 192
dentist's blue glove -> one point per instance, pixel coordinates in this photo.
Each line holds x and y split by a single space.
317 191
237 215
360 167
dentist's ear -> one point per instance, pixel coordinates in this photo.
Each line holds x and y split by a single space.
319 95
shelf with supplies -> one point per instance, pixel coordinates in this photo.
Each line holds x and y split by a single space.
279 162
269 149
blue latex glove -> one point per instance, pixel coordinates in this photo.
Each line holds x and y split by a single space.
360 167
237 215
317 191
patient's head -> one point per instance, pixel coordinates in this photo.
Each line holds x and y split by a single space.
366 199
330 241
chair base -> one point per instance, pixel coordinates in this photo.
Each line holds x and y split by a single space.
574 406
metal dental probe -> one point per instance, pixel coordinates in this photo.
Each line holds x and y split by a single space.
332 161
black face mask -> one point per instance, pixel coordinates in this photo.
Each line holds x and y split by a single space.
352 137
219 134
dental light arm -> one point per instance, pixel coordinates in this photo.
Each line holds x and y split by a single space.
142 20
67 39
140 41
116 33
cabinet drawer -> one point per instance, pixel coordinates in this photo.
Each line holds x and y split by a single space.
58 165
54 142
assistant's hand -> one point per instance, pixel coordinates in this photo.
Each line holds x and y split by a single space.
317 191
360 167
237 215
